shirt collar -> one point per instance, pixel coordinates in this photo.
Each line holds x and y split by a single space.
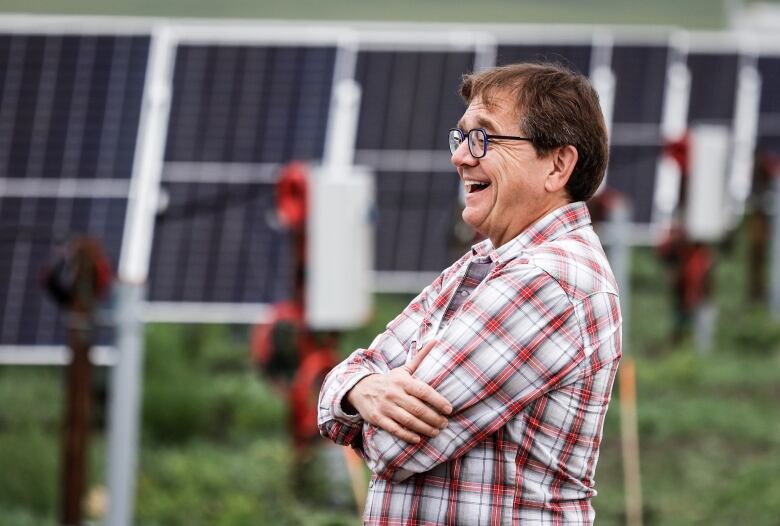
558 222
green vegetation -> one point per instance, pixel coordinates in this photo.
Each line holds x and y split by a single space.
709 14
216 450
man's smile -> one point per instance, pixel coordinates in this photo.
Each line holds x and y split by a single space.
472 185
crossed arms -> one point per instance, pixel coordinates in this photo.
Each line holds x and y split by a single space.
517 337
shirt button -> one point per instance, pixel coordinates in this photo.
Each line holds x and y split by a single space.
464 293
371 484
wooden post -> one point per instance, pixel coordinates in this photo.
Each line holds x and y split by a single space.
76 425
630 439
80 294
357 478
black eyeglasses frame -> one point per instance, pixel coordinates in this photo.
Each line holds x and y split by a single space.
488 137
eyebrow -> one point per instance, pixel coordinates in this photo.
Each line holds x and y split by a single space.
482 122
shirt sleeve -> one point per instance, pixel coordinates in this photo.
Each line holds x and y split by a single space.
388 350
511 342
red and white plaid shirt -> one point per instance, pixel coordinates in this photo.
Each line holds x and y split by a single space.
527 362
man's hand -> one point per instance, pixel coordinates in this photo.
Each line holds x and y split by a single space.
401 404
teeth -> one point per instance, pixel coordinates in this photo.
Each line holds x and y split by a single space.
469 185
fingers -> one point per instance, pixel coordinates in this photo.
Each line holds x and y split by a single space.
419 357
415 415
412 423
404 406
395 429
423 391
426 393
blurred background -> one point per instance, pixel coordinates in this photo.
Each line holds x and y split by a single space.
204 206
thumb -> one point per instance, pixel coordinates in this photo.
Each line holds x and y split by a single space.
419 357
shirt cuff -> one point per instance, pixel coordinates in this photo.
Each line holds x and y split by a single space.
336 409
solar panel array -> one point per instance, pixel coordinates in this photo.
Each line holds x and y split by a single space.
69 115
235 106
69 111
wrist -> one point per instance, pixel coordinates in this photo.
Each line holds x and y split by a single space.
348 408
347 405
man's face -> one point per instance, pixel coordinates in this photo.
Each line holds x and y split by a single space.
515 195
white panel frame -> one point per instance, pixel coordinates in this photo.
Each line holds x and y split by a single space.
674 123
53 355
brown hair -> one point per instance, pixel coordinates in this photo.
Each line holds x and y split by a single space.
555 107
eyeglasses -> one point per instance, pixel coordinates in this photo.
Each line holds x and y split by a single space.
478 140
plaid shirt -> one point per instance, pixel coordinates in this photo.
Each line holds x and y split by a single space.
527 363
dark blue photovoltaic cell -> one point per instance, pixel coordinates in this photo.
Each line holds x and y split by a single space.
69 109
632 172
769 113
769 144
30 231
713 87
640 79
70 105
236 104
410 99
769 69
416 220
217 243
576 57
249 104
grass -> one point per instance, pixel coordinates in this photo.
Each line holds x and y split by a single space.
707 14
216 451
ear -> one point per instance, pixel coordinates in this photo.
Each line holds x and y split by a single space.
563 159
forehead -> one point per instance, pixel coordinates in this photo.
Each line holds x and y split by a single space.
494 113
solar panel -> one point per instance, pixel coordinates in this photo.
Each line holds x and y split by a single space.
69 113
31 227
713 87
410 99
640 73
417 211
70 105
215 243
769 112
251 107
632 171
640 81
249 104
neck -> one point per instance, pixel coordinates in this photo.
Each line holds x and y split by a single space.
512 232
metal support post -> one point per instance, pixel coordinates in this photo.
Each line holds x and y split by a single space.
124 404
126 379
619 255
774 286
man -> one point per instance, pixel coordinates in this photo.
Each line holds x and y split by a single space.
483 402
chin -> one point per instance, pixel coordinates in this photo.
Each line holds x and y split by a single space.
472 221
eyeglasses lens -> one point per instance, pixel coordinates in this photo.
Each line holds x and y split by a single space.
477 141
455 138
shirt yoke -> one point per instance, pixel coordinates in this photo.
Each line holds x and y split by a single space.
576 262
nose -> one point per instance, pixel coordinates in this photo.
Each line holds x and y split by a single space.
462 156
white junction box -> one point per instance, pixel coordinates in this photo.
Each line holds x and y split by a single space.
706 202
340 247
